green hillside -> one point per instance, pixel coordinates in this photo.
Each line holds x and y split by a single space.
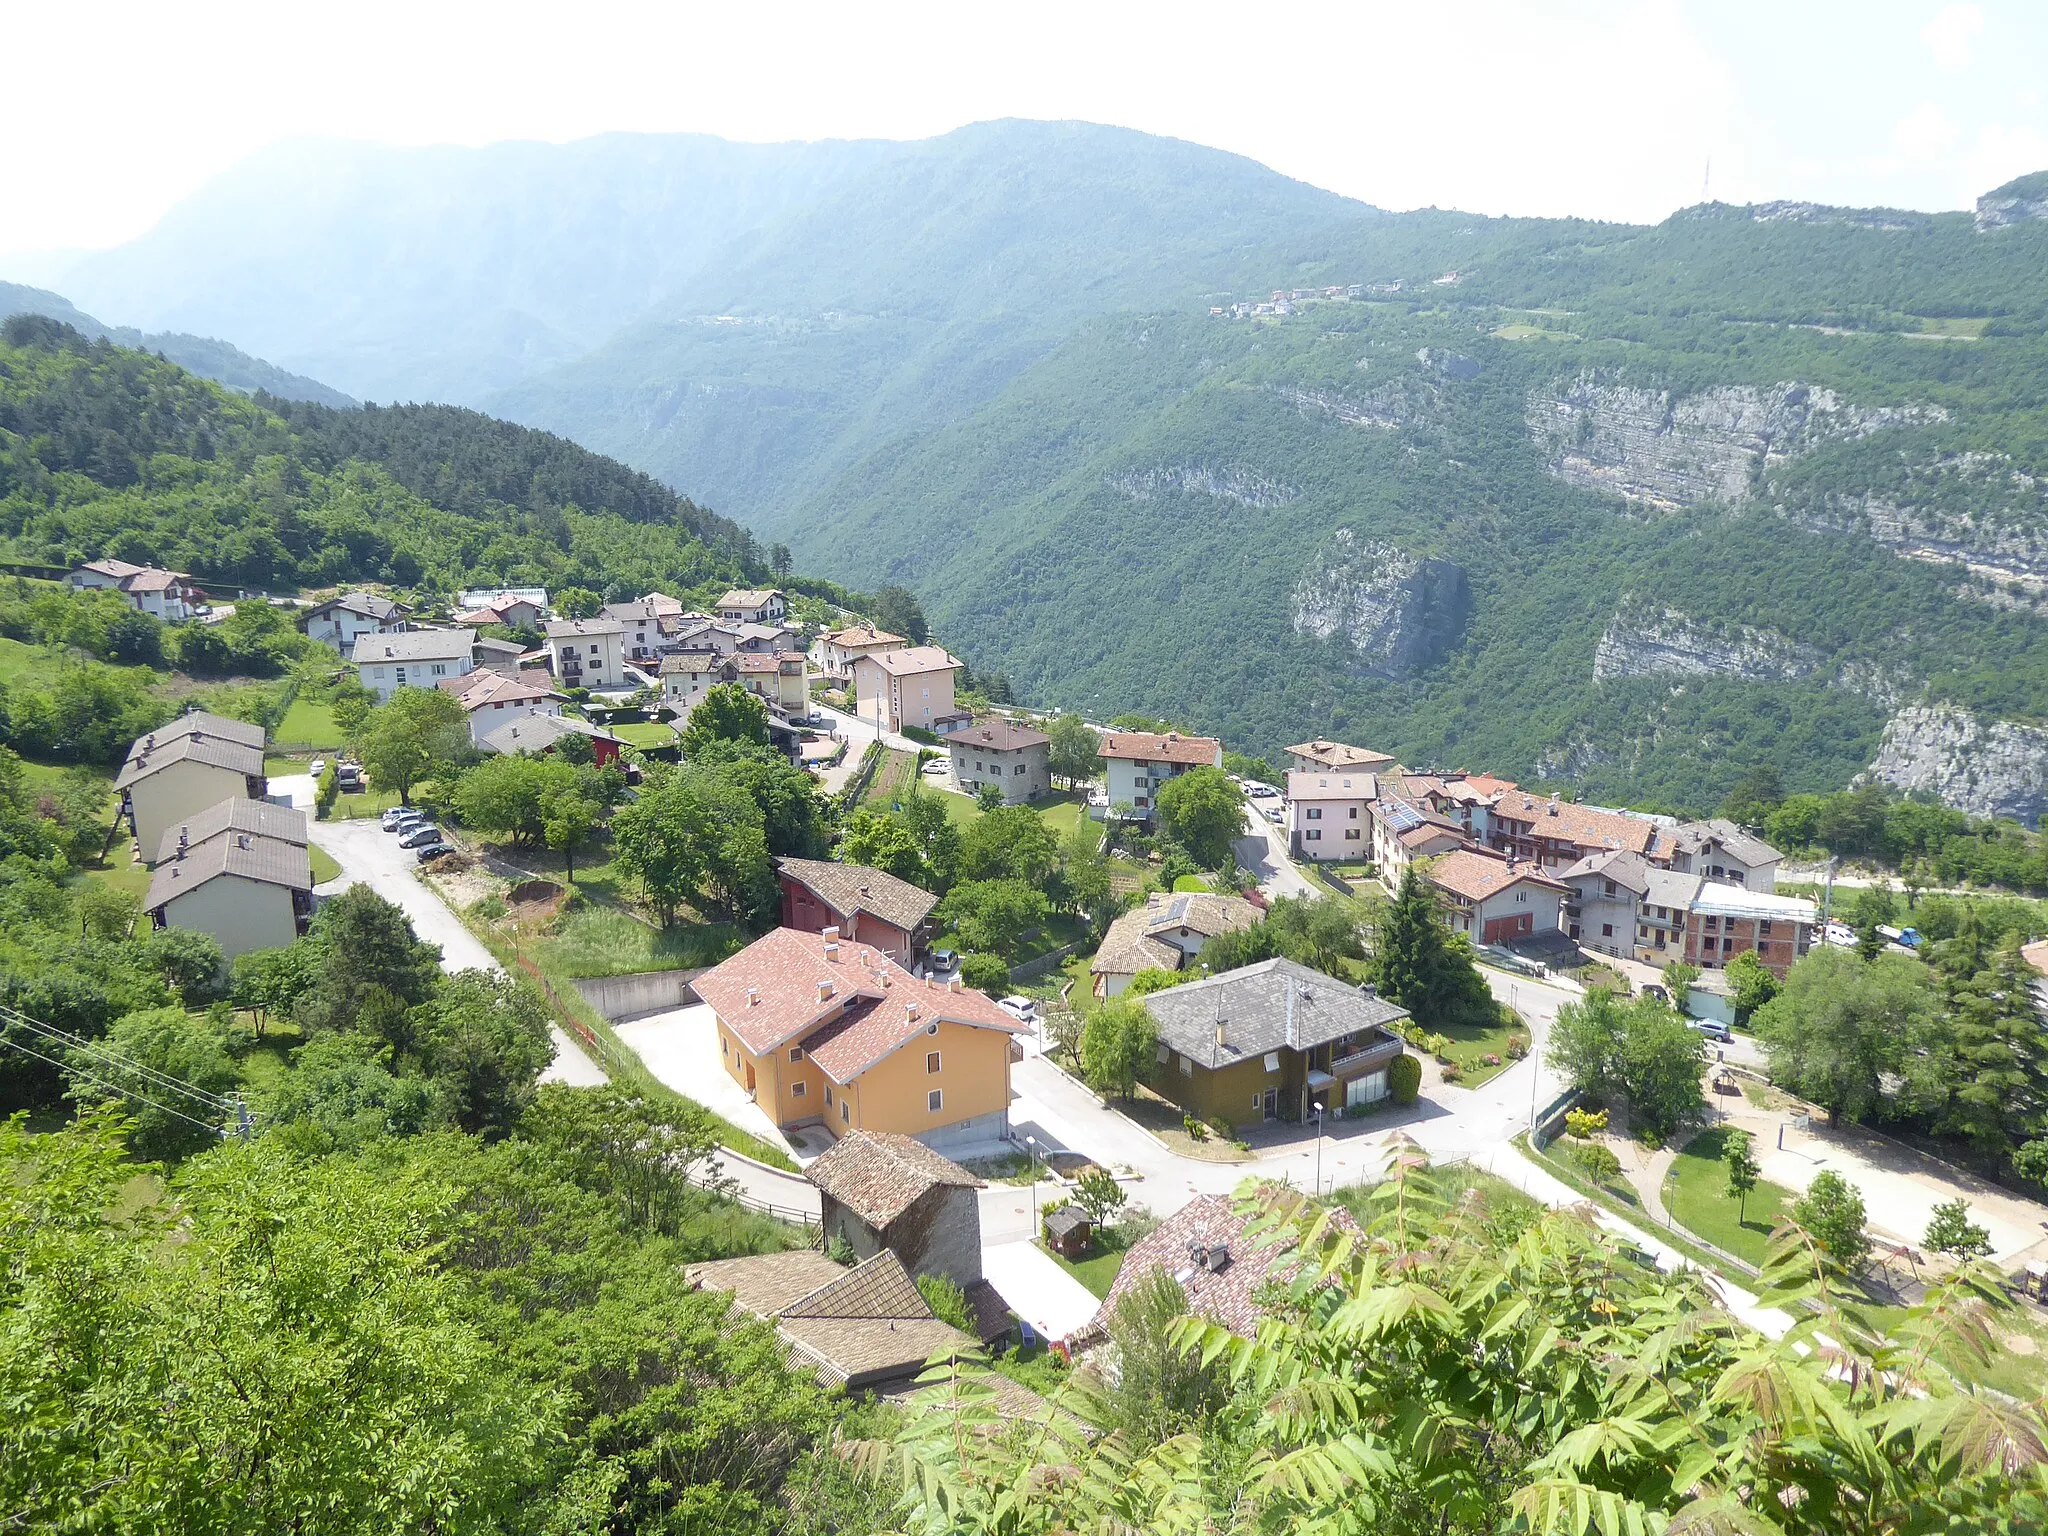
107 451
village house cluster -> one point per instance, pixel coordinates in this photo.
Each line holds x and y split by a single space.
1535 872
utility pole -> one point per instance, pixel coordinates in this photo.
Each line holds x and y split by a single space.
1032 1143
1319 1148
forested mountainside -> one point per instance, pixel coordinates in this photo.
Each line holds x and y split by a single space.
1626 508
108 451
204 355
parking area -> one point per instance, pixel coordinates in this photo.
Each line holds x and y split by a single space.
680 1047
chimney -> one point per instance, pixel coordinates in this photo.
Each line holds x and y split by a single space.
753 996
953 985
824 990
1553 802
1367 989
832 951
910 1010
863 890
184 842
831 934
1219 1034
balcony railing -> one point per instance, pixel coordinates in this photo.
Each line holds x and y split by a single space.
1371 1056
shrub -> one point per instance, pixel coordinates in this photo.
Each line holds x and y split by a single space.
1492 1060
1585 1124
984 972
839 1250
487 908
1517 1048
1223 1128
919 733
1599 1162
1098 1194
326 792
1452 1072
1195 1129
1404 1079
948 1302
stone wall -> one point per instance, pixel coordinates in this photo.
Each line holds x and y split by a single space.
629 997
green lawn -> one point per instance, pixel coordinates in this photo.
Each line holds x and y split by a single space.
367 803
1470 1048
1696 1195
645 733
893 779
324 868
1098 1272
22 664
308 725
603 941
1192 883
960 809
1062 811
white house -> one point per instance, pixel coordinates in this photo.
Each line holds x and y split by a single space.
181 769
1494 898
1012 757
418 658
240 874
166 595
835 651
649 624
490 699
588 653
1136 764
745 606
341 621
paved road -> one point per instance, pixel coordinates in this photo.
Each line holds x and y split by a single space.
1263 851
370 856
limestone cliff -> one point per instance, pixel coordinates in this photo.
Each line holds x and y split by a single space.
1985 767
1229 482
1645 642
1977 510
2014 203
1396 611
1669 450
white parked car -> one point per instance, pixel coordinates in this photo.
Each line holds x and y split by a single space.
937 765
317 767
1275 814
1261 791
1022 1009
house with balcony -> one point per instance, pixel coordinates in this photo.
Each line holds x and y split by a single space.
912 686
525 609
491 699
746 606
642 622
168 595
1661 915
1138 764
1403 832
1013 757
341 621
588 653
1329 814
1604 904
1557 834
416 658
1270 1041
835 651
1720 851
1494 898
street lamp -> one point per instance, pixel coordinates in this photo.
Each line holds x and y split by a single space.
1032 1143
1318 1107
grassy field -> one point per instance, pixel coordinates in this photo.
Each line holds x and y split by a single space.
1192 883
1520 332
367 803
308 725
1470 1048
898 771
25 665
324 868
603 941
1097 1272
1696 1195
645 733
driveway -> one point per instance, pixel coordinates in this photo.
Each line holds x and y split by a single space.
1052 1301
680 1047
368 855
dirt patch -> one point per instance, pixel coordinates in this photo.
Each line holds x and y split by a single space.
2022 1344
465 884
527 892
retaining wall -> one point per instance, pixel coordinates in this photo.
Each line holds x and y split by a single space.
630 997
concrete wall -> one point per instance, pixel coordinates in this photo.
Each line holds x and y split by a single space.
242 914
177 793
628 997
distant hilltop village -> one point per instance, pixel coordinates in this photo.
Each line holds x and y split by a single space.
1286 300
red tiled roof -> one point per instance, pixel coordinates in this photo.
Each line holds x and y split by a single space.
1580 824
1476 876
878 1175
1335 754
1170 748
476 689
785 969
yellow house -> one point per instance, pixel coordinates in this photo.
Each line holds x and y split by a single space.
239 871
186 767
821 1031
909 686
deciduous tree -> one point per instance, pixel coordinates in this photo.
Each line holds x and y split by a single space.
727 712
1117 1043
1841 1022
419 732
1204 811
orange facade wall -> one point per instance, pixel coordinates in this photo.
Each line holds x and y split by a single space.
893 1094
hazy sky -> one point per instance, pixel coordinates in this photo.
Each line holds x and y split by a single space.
1596 107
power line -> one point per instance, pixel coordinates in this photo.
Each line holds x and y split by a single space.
115 1060
120 1089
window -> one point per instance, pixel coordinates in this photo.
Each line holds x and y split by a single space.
931 1062
1312 837
845 1110
796 1053
1139 802
440 670
935 1100
1187 1066
796 1090
1763 927
1610 887
1607 930
1354 817
1315 813
721 1045
593 650
1017 771
1351 835
828 1093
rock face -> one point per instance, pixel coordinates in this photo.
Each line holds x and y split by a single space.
1978 510
1985 767
2014 203
1671 451
1396 611
1641 642
1227 483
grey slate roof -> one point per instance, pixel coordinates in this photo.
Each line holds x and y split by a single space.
1669 888
1752 850
1252 1005
850 888
249 855
210 750
198 722
1628 870
414 645
368 604
237 815
536 733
